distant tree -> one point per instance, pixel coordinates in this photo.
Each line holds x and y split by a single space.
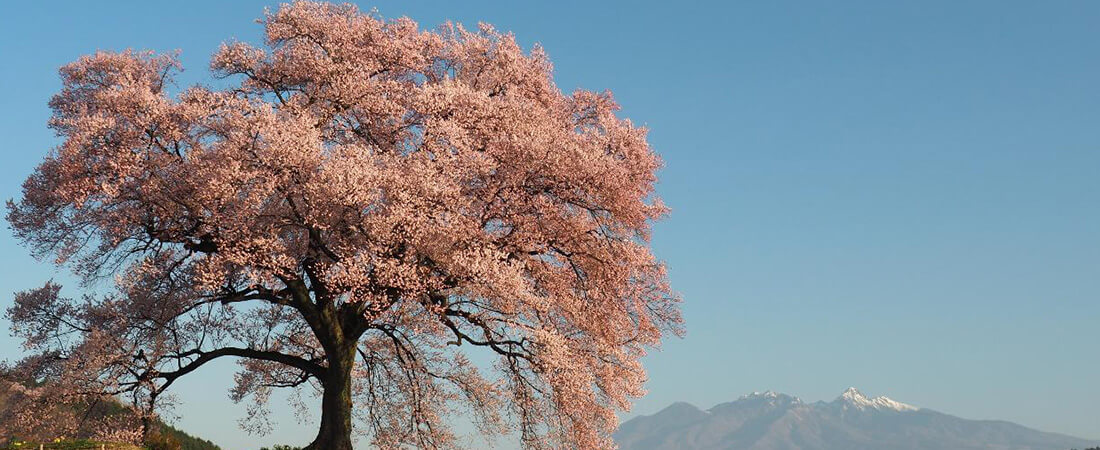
368 201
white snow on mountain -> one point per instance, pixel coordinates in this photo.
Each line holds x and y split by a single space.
769 395
855 399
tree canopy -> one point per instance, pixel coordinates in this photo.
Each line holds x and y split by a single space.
363 202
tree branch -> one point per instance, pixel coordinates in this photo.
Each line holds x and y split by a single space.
309 367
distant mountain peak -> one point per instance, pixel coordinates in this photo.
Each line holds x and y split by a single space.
775 421
770 397
681 408
853 398
853 394
765 394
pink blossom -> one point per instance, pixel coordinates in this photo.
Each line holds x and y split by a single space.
368 202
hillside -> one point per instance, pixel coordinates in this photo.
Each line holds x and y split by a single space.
12 393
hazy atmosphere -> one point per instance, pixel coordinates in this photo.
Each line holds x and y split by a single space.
900 197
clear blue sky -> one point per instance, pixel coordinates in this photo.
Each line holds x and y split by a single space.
898 196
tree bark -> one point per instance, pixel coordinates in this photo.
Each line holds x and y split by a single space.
145 428
335 431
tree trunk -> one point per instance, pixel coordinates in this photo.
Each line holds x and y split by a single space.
335 432
145 427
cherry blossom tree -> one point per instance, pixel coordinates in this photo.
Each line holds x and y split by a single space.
363 207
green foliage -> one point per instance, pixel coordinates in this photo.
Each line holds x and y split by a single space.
186 441
162 441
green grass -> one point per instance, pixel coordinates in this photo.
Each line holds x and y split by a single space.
67 444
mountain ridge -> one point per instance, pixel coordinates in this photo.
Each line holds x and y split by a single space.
853 421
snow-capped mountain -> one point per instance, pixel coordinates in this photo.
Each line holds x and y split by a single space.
853 421
852 398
